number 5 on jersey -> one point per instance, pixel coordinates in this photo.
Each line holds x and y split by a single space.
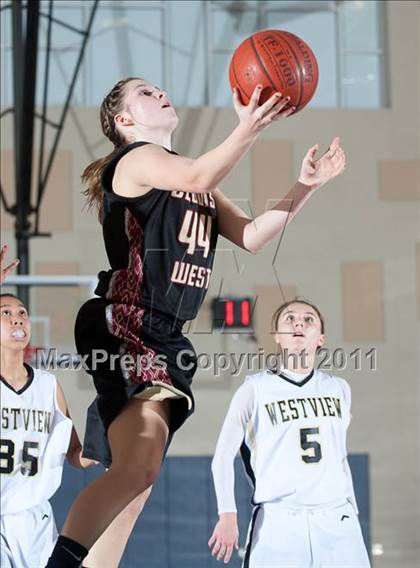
312 452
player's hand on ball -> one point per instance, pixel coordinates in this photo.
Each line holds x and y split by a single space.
256 117
4 272
316 173
225 537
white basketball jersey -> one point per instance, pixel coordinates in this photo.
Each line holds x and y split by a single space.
35 436
295 444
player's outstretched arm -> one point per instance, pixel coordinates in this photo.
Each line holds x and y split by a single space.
254 234
225 537
152 166
6 270
74 451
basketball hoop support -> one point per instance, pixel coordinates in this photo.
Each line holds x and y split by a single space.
70 280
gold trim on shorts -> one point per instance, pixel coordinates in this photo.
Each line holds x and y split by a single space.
160 391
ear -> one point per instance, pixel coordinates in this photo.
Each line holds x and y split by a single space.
277 338
123 119
321 340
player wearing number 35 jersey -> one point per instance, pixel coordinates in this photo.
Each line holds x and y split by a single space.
36 435
290 427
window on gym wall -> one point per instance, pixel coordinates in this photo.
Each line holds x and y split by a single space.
360 28
346 37
185 47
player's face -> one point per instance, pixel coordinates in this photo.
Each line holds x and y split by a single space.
299 329
15 327
148 106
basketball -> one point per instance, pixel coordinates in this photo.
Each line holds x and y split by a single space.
279 61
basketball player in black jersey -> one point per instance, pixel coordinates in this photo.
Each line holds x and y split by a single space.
161 214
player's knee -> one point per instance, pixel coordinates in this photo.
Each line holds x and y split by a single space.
139 479
150 475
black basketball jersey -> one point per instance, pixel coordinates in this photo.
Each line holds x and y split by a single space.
160 247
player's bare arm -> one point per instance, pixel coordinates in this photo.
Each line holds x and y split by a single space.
74 452
152 166
254 234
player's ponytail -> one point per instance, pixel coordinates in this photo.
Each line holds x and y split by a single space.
92 175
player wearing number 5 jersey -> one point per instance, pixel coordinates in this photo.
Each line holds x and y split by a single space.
36 435
161 214
290 426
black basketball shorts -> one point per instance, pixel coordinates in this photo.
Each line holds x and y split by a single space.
132 351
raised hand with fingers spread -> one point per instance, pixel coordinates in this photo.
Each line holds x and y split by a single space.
5 271
316 173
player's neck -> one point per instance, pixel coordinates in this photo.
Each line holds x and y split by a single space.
159 137
12 368
300 365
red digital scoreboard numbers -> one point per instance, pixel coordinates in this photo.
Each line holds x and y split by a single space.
231 313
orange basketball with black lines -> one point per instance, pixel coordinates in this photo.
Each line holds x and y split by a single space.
279 61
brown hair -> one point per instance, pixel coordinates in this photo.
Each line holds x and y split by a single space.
92 175
297 300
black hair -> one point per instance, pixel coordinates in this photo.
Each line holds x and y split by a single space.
6 295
